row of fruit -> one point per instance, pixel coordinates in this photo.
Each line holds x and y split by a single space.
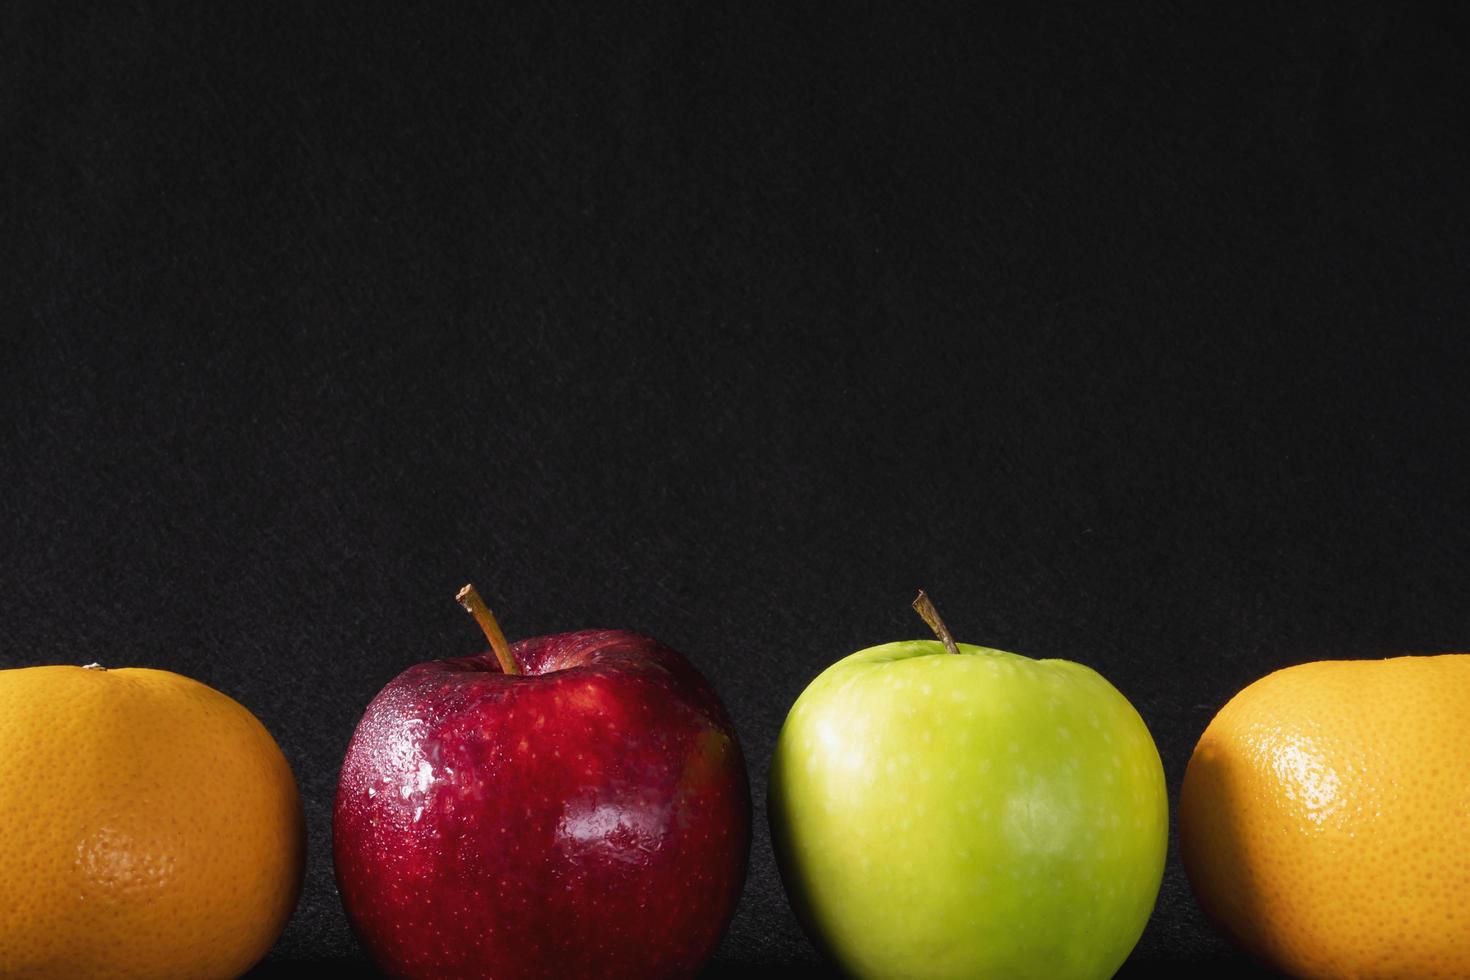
577 806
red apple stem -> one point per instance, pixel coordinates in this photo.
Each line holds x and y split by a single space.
476 607
924 606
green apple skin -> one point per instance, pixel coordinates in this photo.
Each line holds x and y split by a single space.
979 814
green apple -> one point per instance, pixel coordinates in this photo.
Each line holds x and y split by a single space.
947 810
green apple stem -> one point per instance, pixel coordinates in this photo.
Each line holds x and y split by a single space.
476 607
924 606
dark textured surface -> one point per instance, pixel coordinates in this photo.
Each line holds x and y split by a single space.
1136 335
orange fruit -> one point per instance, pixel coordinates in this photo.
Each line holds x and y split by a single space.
149 827
1325 818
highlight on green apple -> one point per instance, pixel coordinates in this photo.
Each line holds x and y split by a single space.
940 809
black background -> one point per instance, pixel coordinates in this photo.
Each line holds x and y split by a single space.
1135 334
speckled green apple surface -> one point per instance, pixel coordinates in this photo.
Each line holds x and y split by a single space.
978 814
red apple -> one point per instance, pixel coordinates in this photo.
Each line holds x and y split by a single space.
570 806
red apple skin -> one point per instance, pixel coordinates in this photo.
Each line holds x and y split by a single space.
587 818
